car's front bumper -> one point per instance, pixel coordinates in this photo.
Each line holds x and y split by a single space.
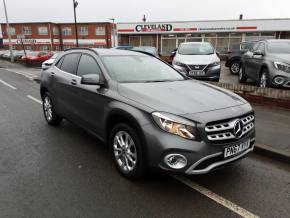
275 73
212 73
202 156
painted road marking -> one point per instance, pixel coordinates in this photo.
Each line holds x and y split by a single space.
7 84
30 76
218 199
34 99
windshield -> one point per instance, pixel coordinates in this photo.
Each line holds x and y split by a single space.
279 47
139 69
196 49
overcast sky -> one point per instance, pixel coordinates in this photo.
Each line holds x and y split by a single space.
133 10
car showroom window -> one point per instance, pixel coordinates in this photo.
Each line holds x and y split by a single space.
88 65
70 63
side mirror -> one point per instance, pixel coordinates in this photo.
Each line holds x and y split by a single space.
91 79
173 53
258 52
45 66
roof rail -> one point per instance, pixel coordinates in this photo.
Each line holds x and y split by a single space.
79 48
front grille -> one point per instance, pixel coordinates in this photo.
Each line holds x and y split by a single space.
224 131
197 67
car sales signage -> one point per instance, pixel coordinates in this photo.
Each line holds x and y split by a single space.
153 28
205 26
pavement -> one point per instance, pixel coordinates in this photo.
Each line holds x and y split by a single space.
64 172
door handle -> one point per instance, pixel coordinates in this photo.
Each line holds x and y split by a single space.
73 82
52 74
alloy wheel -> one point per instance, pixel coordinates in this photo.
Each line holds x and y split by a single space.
125 151
235 68
47 106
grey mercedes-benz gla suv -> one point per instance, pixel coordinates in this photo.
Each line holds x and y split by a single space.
149 114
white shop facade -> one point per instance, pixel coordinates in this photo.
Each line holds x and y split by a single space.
166 36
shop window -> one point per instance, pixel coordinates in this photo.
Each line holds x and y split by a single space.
28 47
42 30
55 30
179 41
44 48
83 31
146 40
168 45
252 36
222 44
100 31
12 30
134 41
26 30
191 39
66 31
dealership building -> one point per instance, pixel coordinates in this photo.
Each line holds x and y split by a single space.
45 36
166 36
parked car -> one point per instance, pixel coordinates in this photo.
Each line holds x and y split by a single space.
46 64
18 54
198 60
148 49
6 54
233 59
148 113
124 47
268 64
36 57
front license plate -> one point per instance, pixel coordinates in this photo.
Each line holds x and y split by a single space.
196 73
236 149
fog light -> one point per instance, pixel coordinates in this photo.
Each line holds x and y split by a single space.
175 161
279 80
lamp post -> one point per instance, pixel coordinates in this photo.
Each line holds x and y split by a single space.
75 4
113 19
8 32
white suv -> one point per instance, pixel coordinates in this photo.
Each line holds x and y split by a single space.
198 60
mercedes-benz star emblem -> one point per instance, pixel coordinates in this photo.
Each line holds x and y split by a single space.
238 128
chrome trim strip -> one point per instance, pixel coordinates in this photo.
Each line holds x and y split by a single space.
191 170
188 66
247 121
201 160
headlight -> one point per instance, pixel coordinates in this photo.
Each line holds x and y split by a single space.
175 125
179 64
214 64
282 66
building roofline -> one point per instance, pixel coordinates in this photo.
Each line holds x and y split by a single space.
190 21
11 23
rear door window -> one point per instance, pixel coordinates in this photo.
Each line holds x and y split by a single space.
70 63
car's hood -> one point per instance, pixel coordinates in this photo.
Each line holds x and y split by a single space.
285 58
196 59
180 97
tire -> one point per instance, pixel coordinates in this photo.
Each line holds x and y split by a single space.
242 75
127 152
264 79
235 67
48 110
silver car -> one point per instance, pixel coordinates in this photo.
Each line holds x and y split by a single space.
268 63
